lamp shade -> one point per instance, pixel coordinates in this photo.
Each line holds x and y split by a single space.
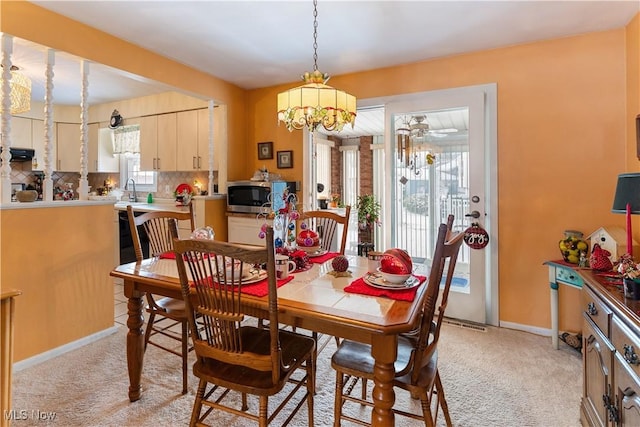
627 191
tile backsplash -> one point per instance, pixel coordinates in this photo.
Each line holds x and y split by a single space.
25 175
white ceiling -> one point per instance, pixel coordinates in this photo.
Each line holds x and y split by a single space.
263 43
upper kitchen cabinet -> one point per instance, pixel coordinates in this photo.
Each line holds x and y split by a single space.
191 152
158 142
193 140
100 155
68 147
21 132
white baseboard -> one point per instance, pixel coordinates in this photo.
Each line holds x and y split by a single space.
50 354
526 328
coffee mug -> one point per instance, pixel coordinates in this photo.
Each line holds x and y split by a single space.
284 266
374 261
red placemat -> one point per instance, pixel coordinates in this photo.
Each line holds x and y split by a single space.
323 258
261 288
168 255
359 286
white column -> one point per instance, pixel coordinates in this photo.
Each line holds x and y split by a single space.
211 148
5 169
47 182
83 187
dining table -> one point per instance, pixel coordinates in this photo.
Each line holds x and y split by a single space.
315 299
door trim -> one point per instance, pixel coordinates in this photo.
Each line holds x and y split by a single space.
489 91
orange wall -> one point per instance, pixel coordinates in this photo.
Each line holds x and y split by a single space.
633 93
561 144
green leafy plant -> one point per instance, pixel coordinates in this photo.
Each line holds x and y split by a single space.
368 211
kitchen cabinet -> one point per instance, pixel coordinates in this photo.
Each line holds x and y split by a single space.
21 133
100 157
244 229
158 142
68 147
611 348
193 140
188 157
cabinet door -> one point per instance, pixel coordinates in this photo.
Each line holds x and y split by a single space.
187 140
244 230
627 391
68 147
148 142
167 142
101 157
597 375
20 134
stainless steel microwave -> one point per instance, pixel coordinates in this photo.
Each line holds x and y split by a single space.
255 196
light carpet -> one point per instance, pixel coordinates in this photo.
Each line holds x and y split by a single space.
500 377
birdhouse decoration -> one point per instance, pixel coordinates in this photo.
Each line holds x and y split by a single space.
613 240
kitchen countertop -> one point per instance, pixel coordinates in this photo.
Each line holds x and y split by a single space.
162 204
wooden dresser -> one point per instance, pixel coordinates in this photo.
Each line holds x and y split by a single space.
611 353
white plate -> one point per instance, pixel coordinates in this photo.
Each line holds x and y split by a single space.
253 277
377 281
317 253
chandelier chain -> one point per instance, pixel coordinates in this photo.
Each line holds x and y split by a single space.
315 35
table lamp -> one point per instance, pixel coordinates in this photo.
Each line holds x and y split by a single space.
627 201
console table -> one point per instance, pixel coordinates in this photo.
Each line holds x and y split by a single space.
560 273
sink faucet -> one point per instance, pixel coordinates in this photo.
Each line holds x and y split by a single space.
133 197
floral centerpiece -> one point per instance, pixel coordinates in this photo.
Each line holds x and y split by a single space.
627 267
630 271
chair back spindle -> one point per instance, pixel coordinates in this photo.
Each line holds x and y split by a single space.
326 224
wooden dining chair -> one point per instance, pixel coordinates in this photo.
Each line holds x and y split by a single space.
232 355
416 368
164 313
326 224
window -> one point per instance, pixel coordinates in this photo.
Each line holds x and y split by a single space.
130 169
350 174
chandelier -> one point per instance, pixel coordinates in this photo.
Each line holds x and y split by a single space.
20 91
315 103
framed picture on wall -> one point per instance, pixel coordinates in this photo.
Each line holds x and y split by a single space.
265 150
285 159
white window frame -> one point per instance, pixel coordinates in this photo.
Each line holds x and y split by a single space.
146 181
350 174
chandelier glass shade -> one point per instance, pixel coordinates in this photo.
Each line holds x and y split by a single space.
20 91
316 104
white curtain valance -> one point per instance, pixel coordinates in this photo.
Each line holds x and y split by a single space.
126 139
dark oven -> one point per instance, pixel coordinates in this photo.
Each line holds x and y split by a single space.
251 196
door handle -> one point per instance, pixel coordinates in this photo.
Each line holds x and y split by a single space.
474 214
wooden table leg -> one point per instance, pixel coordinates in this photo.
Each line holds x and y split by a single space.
384 350
135 340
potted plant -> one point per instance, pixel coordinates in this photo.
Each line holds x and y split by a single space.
334 201
368 215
